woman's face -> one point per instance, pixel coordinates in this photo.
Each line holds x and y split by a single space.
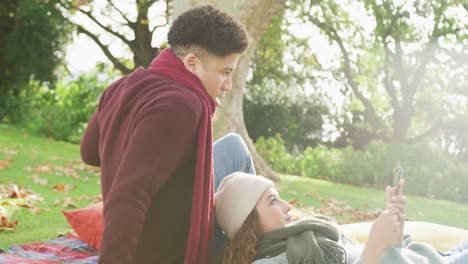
273 212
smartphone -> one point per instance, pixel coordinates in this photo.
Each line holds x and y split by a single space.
396 179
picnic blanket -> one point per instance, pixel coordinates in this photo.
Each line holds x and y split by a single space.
66 249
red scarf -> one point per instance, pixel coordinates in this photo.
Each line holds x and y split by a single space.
202 216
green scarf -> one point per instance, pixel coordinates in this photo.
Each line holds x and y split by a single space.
311 240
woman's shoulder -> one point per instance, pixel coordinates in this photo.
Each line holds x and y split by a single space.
280 259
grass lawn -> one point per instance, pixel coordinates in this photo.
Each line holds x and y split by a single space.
58 163
51 160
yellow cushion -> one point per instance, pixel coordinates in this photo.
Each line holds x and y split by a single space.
442 237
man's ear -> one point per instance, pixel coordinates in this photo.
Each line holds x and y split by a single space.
191 62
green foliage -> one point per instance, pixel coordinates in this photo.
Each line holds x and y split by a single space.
428 172
392 55
62 112
32 34
268 59
272 108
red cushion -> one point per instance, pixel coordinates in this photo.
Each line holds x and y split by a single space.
87 223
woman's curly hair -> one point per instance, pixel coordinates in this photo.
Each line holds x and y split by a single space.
241 249
209 28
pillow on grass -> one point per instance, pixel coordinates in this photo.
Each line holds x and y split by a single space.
87 223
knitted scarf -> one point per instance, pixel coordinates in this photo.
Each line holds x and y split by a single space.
202 215
311 240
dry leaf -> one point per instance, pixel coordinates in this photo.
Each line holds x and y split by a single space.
6 225
56 202
42 168
36 179
14 192
9 151
62 188
38 210
68 202
5 163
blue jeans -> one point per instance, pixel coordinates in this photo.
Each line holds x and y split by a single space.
457 255
230 155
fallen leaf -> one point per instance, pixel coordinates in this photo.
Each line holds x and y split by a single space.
7 225
9 151
42 168
68 202
62 188
5 163
38 210
56 202
3 210
37 180
14 192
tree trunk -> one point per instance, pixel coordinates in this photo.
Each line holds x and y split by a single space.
229 117
141 45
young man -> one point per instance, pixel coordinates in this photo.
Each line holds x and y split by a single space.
152 137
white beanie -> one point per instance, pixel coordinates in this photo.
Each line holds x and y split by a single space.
236 197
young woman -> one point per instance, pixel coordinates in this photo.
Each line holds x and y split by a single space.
261 231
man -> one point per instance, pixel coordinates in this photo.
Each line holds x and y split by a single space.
152 137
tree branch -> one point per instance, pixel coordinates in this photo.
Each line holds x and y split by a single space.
129 23
429 48
388 82
90 16
453 124
158 26
332 33
106 51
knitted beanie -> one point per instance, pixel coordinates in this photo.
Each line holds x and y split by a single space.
236 197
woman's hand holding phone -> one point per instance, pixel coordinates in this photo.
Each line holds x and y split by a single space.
396 200
387 229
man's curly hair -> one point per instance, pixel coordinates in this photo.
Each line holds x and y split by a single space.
207 28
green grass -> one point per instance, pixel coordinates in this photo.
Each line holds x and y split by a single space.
418 208
32 150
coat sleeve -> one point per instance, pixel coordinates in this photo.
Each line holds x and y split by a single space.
89 147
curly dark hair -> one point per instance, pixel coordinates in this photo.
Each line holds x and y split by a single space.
210 29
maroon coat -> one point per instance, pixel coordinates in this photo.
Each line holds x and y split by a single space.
144 137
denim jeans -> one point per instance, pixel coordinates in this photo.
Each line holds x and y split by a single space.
457 255
230 155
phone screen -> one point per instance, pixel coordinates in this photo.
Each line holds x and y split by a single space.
396 179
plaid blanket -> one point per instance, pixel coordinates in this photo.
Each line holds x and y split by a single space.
66 249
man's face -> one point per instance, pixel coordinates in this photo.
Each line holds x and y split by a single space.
215 74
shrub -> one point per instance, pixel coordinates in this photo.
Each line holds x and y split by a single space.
427 172
62 111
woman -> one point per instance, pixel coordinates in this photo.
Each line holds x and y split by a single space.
261 231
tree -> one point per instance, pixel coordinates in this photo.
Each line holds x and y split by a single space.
32 35
280 98
397 73
256 15
136 32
